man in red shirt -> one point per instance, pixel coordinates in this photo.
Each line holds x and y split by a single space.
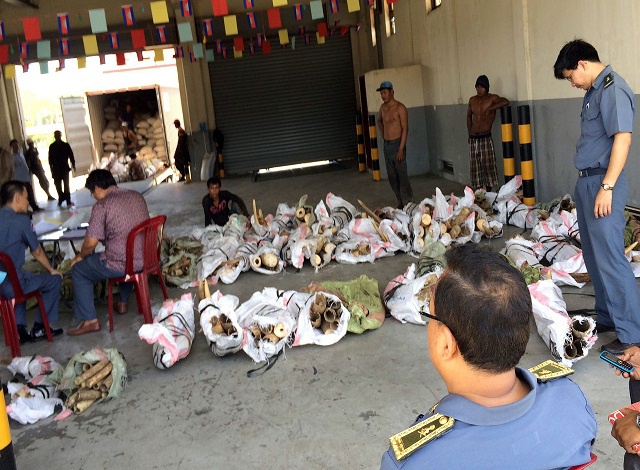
116 212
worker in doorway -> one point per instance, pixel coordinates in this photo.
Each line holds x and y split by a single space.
181 156
480 116
394 126
127 114
22 172
35 165
60 155
130 139
219 205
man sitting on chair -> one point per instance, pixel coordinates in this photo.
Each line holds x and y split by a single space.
16 233
116 212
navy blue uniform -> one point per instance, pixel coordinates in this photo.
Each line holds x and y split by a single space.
608 108
553 426
16 234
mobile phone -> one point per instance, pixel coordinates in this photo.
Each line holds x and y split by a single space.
616 362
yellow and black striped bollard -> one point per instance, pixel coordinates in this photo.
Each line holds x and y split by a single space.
373 137
7 458
508 154
362 159
526 155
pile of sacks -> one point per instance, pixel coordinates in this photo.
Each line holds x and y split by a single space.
150 135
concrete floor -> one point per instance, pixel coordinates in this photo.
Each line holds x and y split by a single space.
317 408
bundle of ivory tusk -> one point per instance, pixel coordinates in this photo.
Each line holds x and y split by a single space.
222 325
325 313
577 345
361 250
179 268
323 255
94 384
427 289
489 231
273 333
203 289
265 260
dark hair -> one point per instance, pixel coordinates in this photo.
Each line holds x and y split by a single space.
214 180
9 191
486 304
102 179
12 141
571 53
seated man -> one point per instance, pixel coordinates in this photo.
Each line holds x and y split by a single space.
219 205
504 418
16 234
116 212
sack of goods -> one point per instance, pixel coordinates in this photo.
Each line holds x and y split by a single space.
219 323
171 332
91 377
323 320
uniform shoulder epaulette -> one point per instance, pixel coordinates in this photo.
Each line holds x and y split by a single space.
410 440
608 80
550 370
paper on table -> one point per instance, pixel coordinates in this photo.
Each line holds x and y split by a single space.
45 227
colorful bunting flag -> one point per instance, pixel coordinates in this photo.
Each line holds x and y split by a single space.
192 57
120 59
283 35
274 18
179 54
140 56
158 55
297 12
358 26
344 30
333 6
90 43
220 7
353 5
25 67
138 39
44 67
162 34
252 48
159 12
279 3
248 4
224 52
371 3
2 36
98 20
251 19
185 8
219 46
322 29
307 39
260 38
237 54
114 40
4 54
230 25
63 23
9 71
24 50
266 47
316 9
128 16
103 59
198 51
65 46
389 2
61 65
238 44
31 28
207 27
301 30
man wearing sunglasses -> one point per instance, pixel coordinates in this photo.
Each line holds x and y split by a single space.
503 417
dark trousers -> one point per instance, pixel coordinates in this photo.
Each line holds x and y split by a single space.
65 195
42 178
31 195
397 172
49 287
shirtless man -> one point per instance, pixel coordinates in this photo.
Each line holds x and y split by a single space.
393 123
480 116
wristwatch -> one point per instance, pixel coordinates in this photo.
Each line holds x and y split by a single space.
606 187
638 421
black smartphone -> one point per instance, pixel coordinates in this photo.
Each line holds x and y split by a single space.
616 362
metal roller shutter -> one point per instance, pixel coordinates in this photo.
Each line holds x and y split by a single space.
292 106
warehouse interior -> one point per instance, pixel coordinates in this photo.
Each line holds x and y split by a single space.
295 101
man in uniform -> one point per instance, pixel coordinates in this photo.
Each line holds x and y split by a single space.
503 416
116 212
394 126
60 154
16 234
601 190
22 172
480 116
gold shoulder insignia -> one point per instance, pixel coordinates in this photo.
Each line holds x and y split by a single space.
409 440
608 80
550 370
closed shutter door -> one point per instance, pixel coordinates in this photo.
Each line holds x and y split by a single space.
292 106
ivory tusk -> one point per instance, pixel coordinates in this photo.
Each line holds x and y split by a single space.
256 262
83 405
89 395
280 330
100 375
97 367
628 249
425 220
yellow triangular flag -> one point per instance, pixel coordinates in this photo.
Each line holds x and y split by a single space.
9 71
230 25
82 62
90 44
159 12
284 36
353 5
158 55
237 54
319 38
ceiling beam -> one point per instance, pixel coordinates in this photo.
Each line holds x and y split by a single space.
23 3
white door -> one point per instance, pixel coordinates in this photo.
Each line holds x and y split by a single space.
74 114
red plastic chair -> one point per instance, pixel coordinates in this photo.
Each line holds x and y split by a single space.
7 307
594 457
149 233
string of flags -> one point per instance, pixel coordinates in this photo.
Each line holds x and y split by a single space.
160 17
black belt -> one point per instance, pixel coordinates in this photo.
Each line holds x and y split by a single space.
592 172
